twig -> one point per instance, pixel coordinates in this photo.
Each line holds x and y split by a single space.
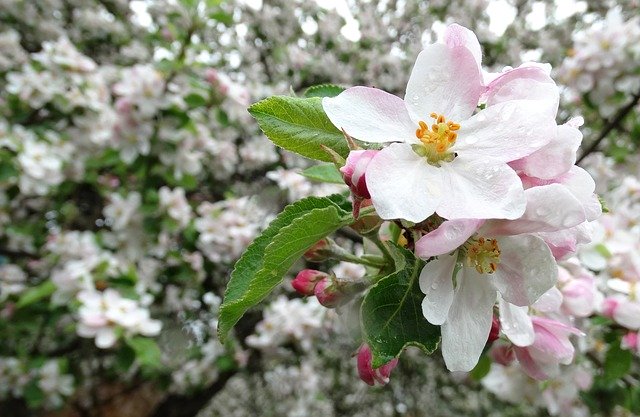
610 126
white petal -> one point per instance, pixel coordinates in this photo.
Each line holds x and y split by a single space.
467 328
436 282
446 81
105 338
516 324
456 35
506 131
525 83
371 115
446 238
526 269
550 301
542 213
480 189
402 184
554 159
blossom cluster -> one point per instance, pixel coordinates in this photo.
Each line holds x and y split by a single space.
494 195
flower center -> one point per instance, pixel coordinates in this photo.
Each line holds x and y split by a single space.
483 255
437 139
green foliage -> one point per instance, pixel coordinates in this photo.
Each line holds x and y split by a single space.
482 368
391 313
323 90
146 350
35 294
617 362
269 257
324 173
299 125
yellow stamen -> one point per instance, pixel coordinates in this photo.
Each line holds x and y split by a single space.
437 139
483 255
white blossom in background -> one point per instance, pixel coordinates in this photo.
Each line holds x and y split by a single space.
13 280
55 384
176 205
227 227
103 315
604 61
286 321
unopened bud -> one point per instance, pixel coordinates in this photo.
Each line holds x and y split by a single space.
320 251
354 170
630 341
609 306
365 369
306 280
328 293
495 330
502 355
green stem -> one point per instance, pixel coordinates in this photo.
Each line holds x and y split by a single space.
343 255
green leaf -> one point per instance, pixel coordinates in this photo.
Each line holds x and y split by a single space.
391 314
324 173
265 262
323 90
35 294
482 368
617 362
33 395
7 171
147 351
299 125
194 100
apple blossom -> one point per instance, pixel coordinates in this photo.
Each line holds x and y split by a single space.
366 371
454 165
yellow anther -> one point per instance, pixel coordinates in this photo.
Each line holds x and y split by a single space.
483 255
437 138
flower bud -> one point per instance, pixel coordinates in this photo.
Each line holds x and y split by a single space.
609 306
630 341
366 371
306 280
495 330
327 293
502 355
320 251
354 172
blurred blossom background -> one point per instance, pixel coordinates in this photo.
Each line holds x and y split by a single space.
132 178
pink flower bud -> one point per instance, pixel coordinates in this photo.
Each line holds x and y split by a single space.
494 334
306 280
319 252
502 355
630 341
354 172
609 306
366 371
327 293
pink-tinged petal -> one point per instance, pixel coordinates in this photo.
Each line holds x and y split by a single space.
554 159
529 365
478 188
549 302
582 185
552 339
371 115
403 185
447 237
436 282
541 214
564 242
456 35
467 328
506 131
446 81
526 269
516 323
524 83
